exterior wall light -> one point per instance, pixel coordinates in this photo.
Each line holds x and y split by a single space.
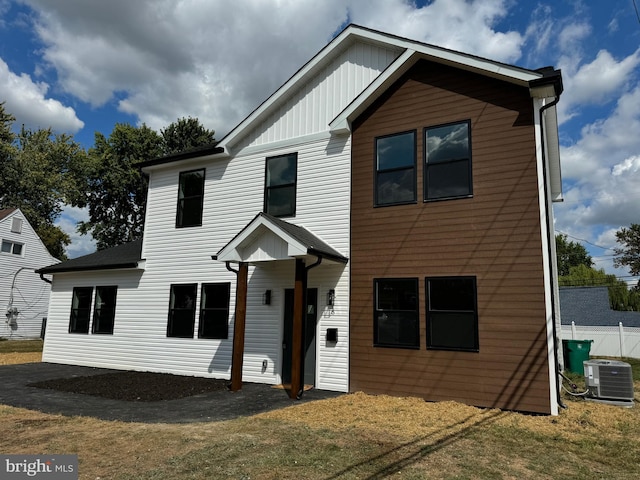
266 297
331 297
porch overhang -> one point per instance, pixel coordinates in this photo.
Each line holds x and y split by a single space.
268 238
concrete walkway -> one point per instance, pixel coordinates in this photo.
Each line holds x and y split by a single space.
213 406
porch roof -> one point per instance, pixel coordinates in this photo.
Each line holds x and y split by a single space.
268 238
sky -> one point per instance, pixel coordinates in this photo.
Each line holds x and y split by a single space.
81 66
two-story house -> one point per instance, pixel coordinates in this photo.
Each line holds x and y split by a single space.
382 223
24 294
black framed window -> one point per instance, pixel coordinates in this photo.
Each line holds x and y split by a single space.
395 169
104 310
447 170
190 198
214 310
182 310
396 318
452 313
280 185
80 310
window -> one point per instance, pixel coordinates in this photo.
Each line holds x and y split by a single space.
396 313
105 310
80 310
452 318
396 169
447 172
11 247
16 225
280 185
182 310
190 198
214 310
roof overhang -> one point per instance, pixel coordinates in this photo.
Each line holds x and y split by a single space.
194 155
267 238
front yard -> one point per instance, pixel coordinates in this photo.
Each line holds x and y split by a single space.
353 436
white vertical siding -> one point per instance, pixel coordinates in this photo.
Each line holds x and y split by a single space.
313 105
233 196
18 279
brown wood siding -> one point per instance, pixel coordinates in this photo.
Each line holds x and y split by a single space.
495 236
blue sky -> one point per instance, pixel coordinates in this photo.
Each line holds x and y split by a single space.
80 66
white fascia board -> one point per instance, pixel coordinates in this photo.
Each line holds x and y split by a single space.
552 143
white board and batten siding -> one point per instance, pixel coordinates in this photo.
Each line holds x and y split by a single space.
20 286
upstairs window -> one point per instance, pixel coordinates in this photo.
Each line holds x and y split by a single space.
396 322
447 171
16 225
13 248
280 185
452 313
182 310
105 310
190 198
80 310
395 169
214 310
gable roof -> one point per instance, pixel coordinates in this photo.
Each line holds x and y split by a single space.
5 212
299 240
127 255
589 306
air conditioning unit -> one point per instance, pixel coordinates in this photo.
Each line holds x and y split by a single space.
609 381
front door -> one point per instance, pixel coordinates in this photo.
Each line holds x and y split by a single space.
309 329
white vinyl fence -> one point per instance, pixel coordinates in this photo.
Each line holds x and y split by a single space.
617 341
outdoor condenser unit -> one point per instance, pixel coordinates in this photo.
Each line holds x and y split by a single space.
609 381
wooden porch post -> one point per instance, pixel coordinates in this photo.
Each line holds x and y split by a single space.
299 297
239 327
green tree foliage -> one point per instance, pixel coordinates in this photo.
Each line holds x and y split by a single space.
36 168
115 191
628 254
570 254
620 297
185 134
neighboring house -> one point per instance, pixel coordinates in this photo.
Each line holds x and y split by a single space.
24 295
590 307
382 223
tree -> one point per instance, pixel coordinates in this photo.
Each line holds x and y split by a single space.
115 191
628 254
37 177
570 254
185 134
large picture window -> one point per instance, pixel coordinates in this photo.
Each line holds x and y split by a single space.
447 171
104 311
396 169
80 310
280 185
396 319
452 313
190 198
214 310
182 310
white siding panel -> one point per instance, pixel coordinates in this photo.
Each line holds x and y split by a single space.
311 108
233 196
18 281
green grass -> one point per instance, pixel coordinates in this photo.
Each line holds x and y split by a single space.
20 346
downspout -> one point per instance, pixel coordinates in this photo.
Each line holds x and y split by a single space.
549 252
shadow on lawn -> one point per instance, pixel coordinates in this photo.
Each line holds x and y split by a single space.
419 450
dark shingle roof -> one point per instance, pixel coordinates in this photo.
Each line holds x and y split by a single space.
589 306
123 256
4 212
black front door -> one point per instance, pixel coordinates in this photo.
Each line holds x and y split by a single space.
309 344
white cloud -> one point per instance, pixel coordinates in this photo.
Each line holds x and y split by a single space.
68 221
28 102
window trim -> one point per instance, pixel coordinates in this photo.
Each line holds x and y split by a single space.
171 310
12 245
203 310
97 310
181 200
425 163
73 323
476 346
414 167
268 188
376 340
